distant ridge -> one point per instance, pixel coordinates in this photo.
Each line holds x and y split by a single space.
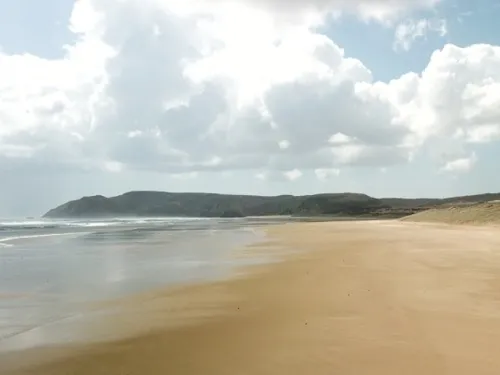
154 203
157 203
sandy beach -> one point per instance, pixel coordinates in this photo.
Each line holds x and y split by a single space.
355 298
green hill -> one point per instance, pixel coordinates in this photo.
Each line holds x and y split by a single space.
156 203
152 203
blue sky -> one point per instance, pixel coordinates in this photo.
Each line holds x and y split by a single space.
59 155
468 23
37 27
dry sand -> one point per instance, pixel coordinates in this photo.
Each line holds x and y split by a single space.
360 298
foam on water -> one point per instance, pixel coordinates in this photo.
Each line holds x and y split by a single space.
25 237
52 223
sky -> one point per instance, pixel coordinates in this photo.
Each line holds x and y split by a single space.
383 97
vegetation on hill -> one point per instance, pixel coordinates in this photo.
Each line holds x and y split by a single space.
154 203
463 213
150 203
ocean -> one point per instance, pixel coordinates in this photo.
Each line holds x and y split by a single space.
51 270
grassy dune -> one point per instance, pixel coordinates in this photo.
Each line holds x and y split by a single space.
471 214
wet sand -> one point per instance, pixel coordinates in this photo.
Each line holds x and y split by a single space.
358 298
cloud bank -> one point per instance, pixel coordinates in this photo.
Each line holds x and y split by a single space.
192 86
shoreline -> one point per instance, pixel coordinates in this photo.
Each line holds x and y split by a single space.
367 297
78 325
118 321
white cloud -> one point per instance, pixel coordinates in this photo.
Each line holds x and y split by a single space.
479 134
310 12
460 165
134 133
324 174
340 138
293 174
184 87
284 144
407 32
261 176
455 91
484 133
112 166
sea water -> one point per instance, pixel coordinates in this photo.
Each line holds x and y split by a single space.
50 269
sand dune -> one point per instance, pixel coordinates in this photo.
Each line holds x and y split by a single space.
473 214
374 298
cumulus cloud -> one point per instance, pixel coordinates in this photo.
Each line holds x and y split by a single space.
340 138
479 134
293 174
184 88
456 92
460 165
